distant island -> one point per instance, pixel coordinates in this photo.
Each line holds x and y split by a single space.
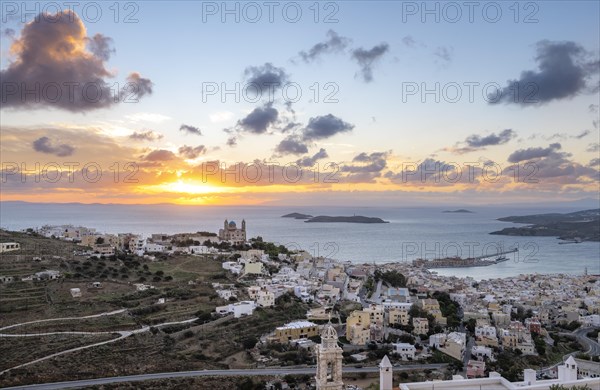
458 211
353 219
574 227
297 216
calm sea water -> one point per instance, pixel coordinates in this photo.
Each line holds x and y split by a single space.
412 232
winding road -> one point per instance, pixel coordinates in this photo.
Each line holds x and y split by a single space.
122 334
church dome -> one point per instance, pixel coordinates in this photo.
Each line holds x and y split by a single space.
329 333
232 224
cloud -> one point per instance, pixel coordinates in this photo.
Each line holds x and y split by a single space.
593 147
594 162
564 69
190 152
291 145
190 129
321 127
445 54
138 86
55 57
8 32
409 41
148 135
100 45
374 162
367 58
476 142
44 145
333 44
531 153
310 161
582 134
266 77
259 120
231 141
160 155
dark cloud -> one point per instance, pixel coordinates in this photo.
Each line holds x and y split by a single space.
138 86
475 142
147 135
190 129
367 58
191 152
44 145
593 147
56 58
594 162
160 155
266 77
259 120
8 32
531 153
557 165
564 69
310 161
584 133
291 145
231 141
101 46
435 172
333 44
374 162
290 126
321 127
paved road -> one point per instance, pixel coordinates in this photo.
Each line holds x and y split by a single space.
593 346
111 313
187 374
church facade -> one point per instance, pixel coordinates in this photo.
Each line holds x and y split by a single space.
232 233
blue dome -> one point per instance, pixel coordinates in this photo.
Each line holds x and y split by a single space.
232 224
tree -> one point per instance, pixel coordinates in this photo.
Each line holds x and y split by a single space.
100 240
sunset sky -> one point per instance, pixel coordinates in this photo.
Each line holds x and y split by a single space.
162 98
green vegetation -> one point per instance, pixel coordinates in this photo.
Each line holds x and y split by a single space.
390 278
449 308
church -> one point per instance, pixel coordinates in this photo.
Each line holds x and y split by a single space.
232 233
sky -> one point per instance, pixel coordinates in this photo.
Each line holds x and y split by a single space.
353 102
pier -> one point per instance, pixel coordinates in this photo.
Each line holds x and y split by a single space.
457 262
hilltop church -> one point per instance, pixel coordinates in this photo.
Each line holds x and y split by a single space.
232 233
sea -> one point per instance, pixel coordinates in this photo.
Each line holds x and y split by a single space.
412 232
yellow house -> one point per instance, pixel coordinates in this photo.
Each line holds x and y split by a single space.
429 304
296 330
358 326
398 316
421 325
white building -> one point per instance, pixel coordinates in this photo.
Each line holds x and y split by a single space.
9 246
265 299
153 247
405 350
238 309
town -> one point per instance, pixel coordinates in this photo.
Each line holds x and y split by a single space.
400 321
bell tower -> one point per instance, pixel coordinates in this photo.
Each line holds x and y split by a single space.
243 225
329 361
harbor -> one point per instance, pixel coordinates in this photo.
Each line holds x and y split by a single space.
458 262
